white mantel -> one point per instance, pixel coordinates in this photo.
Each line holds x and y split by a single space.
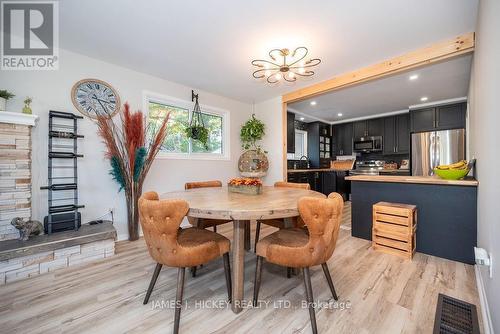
17 118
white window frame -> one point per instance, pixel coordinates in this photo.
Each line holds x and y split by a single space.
149 96
304 134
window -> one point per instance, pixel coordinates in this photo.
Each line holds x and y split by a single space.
177 144
300 143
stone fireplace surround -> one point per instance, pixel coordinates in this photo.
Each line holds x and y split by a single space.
40 254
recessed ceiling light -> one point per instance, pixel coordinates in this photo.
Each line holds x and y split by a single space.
339 114
313 103
424 98
413 77
302 118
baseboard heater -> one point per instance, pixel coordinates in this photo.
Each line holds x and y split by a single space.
454 316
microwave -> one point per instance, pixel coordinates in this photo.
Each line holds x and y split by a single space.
368 144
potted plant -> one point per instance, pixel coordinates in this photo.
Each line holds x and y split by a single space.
131 153
4 96
253 162
196 129
27 106
198 132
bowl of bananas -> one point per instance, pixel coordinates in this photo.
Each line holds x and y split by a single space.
455 171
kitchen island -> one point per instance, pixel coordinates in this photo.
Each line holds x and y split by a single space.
447 211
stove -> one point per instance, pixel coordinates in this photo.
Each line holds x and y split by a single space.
368 167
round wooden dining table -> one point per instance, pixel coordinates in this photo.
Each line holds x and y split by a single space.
242 209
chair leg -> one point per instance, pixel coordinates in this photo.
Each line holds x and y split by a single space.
329 280
257 235
288 272
247 236
152 283
178 299
258 276
215 228
310 299
193 271
227 272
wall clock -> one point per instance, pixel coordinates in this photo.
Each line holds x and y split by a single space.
94 97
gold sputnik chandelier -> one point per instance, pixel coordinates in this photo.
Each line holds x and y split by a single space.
285 65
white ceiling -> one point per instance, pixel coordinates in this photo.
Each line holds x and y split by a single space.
209 44
442 81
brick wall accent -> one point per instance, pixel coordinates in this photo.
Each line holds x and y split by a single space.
32 265
15 176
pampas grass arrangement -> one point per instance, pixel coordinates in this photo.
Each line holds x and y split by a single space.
131 155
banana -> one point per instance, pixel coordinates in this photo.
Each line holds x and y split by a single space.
462 164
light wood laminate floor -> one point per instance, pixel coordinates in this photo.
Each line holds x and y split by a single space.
384 294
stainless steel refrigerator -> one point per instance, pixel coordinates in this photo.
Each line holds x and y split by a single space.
430 149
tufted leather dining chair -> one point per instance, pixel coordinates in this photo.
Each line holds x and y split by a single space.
280 223
204 222
298 248
172 246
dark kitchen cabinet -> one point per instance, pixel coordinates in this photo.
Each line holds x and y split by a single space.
396 134
371 127
290 132
403 133
445 117
329 182
319 144
451 116
343 134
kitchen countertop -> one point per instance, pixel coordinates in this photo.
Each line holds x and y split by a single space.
413 179
315 170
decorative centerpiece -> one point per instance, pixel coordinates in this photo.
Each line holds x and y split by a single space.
253 162
131 154
245 185
4 97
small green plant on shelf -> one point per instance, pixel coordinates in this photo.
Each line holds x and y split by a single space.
252 131
6 94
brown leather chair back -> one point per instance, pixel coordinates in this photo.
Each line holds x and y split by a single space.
203 184
305 186
160 221
322 218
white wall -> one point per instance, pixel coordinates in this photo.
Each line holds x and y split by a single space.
484 121
51 90
269 112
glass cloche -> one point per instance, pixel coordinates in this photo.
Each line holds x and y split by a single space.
253 163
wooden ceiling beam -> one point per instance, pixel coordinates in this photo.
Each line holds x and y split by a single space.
431 54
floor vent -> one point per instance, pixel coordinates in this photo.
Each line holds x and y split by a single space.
455 316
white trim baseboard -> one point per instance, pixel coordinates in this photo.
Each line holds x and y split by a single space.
483 300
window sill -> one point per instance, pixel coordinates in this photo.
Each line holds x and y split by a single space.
200 156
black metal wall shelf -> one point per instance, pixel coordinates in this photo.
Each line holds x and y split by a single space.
63 195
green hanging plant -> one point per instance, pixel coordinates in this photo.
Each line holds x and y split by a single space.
199 133
196 129
252 131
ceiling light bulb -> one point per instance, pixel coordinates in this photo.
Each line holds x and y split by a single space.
267 73
313 103
302 118
291 75
339 114
301 70
414 77
277 76
424 98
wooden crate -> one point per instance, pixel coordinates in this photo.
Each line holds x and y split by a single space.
394 229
